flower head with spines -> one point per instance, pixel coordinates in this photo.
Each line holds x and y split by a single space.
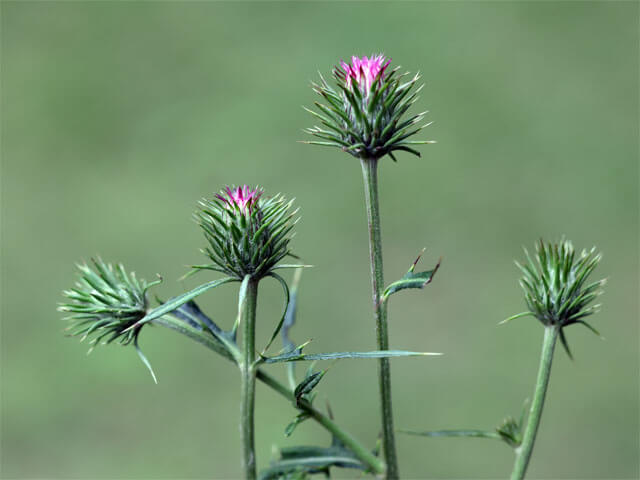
106 301
248 233
365 116
556 287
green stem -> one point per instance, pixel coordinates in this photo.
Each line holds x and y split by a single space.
247 310
361 452
523 453
370 177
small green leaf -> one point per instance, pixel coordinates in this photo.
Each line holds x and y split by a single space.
296 421
410 280
307 385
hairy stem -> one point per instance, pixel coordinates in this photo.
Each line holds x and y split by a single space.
247 310
370 177
361 452
523 453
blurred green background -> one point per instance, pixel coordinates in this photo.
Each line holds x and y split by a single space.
118 116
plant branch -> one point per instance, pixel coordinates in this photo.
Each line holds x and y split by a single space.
360 451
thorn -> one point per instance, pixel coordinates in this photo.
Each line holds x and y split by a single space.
413 266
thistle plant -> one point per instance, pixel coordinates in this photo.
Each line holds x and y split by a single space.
365 116
558 294
248 236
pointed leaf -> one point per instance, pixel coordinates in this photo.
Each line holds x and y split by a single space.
176 302
455 433
285 289
563 340
513 317
297 357
144 360
296 421
410 280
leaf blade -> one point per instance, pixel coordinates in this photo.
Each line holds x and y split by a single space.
175 302
297 357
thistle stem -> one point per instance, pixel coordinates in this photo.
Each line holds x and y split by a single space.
247 307
360 451
523 453
370 177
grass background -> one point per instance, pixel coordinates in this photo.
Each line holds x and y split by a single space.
118 116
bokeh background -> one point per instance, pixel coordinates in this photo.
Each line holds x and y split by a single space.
118 116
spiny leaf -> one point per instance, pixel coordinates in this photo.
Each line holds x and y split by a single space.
411 280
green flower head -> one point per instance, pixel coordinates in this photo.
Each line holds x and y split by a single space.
365 115
105 303
248 233
556 285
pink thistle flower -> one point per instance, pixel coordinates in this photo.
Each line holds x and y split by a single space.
366 116
247 233
364 71
244 197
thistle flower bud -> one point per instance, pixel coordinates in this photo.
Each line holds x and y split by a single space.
365 115
555 289
555 286
248 233
105 303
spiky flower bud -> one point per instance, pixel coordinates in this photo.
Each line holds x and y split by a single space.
248 233
105 303
555 286
365 116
